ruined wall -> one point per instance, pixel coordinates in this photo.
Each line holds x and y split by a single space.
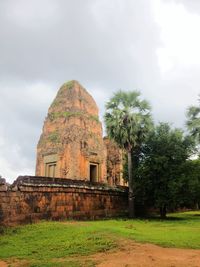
114 163
72 136
34 198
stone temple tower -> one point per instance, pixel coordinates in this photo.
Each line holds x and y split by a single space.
71 144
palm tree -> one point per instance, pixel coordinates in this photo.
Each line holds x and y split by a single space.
193 122
128 120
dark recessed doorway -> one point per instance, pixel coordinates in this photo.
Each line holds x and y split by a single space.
94 172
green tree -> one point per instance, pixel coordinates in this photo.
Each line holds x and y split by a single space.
193 121
160 173
189 193
128 121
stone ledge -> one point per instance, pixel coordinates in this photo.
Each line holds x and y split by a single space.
40 181
31 198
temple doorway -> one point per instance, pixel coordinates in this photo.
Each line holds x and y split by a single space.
94 170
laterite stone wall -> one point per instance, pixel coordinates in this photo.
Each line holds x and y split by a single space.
30 199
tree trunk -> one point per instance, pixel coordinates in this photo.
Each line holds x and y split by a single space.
131 186
163 212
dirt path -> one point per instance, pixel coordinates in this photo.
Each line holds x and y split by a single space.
131 254
134 254
3 264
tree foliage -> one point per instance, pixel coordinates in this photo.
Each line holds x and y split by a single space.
159 178
193 121
128 121
159 168
190 184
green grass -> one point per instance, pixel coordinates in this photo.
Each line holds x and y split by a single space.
181 230
45 243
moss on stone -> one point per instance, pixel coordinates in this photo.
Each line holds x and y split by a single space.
55 103
54 137
69 84
42 141
94 117
66 114
66 86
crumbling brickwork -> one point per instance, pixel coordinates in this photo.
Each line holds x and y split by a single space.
31 199
114 163
71 144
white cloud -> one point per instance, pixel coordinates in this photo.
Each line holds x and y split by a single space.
23 108
179 34
32 14
12 172
150 45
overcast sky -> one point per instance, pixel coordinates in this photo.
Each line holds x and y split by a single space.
150 45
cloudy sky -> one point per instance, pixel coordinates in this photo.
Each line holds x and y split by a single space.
150 45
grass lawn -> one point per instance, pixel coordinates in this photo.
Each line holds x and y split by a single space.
60 243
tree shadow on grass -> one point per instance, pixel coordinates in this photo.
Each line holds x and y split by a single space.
185 217
170 217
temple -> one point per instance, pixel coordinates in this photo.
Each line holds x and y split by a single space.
78 172
72 146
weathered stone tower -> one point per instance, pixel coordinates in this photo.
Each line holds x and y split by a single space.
71 145
114 163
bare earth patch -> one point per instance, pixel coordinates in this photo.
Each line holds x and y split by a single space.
3 264
133 254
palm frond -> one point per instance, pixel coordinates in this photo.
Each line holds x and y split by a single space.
127 118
